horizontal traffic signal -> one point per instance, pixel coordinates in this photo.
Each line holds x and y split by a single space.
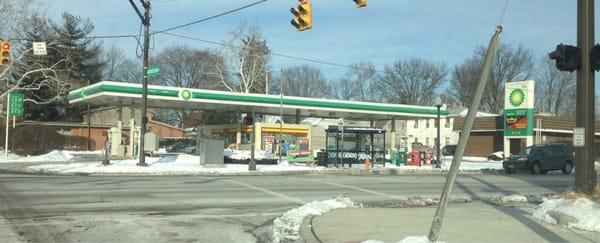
568 58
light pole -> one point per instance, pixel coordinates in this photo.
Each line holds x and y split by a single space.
438 104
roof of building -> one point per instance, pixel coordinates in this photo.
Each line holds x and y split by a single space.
107 92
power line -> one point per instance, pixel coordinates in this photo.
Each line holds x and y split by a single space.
211 17
77 38
272 53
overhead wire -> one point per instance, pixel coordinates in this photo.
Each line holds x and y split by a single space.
272 53
211 17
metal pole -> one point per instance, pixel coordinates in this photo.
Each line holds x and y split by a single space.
146 22
437 142
280 116
490 55
585 175
89 126
7 121
252 163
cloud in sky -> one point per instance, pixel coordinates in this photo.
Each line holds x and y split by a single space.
383 32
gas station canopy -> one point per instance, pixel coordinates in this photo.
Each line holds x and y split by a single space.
125 94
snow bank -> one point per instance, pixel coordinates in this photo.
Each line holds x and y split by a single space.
580 213
168 165
54 155
464 166
409 239
245 154
287 227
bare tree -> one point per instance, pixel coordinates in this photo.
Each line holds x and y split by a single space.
247 59
113 58
303 81
184 66
412 81
358 83
129 70
511 64
555 89
24 77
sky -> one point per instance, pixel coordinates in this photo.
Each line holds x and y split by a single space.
382 33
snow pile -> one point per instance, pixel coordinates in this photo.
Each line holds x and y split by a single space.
409 239
245 154
580 213
516 198
168 165
54 155
95 152
287 227
464 166
511 199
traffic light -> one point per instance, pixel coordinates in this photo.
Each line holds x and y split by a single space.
360 3
595 57
5 53
568 58
303 13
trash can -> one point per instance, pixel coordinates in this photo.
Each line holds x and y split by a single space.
394 156
401 157
322 158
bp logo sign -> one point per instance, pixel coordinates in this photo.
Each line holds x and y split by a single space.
185 94
517 97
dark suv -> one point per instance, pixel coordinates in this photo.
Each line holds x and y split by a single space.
541 158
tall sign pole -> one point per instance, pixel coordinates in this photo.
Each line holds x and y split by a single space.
490 55
7 120
585 175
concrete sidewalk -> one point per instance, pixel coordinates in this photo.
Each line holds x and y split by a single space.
467 222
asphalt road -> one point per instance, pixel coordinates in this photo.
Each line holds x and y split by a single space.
208 209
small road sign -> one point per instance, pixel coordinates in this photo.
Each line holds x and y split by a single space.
16 104
39 49
578 137
153 71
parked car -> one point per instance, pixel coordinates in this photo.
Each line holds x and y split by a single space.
541 158
448 150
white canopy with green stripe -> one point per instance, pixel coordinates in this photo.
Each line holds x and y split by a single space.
118 93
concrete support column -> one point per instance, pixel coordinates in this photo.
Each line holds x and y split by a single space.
393 135
297 116
258 136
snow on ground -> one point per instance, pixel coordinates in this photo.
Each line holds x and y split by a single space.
245 154
54 155
464 166
169 165
409 239
287 227
580 213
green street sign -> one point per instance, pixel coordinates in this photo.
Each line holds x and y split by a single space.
153 71
16 104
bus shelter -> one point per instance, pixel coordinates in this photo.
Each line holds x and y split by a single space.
353 145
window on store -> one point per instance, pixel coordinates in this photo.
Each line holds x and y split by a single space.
447 121
416 123
427 123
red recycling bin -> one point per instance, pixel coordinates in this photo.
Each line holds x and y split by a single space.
415 159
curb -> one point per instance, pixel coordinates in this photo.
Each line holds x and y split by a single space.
23 169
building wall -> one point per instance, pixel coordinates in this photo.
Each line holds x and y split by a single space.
484 143
98 135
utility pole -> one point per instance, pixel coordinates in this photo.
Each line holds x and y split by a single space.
585 175
146 22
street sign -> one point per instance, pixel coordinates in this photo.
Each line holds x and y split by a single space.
39 49
16 104
579 137
153 71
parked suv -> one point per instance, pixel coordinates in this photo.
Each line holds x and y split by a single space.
541 158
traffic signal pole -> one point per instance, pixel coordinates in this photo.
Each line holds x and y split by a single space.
585 175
